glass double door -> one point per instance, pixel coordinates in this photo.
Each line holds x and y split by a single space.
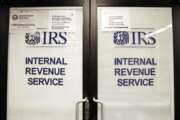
55 72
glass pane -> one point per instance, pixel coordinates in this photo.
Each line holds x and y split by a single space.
44 63
135 63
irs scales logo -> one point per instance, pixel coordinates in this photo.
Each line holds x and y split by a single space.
133 38
121 38
32 39
45 38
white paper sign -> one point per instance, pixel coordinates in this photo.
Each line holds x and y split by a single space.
113 21
135 65
62 21
23 20
44 65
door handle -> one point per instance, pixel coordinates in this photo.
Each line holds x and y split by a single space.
102 107
85 100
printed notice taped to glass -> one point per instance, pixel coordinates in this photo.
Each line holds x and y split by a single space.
62 21
113 21
44 63
135 64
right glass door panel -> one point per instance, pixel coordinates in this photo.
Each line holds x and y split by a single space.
135 63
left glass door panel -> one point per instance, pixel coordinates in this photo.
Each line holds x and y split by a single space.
44 63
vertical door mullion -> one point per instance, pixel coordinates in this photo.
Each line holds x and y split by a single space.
93 59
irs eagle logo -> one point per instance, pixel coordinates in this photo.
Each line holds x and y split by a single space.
32 38
121 38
